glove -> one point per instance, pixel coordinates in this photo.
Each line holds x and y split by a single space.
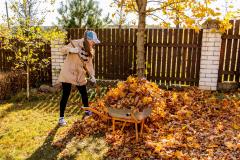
74 50
92 79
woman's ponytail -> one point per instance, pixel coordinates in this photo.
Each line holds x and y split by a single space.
86 45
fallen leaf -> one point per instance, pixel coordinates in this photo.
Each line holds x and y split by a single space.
230 145
235 126
179 154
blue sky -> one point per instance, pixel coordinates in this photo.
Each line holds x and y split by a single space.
104 4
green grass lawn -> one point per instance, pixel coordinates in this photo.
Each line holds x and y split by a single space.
28 129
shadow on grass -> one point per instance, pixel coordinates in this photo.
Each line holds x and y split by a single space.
48 103
87 147
48 151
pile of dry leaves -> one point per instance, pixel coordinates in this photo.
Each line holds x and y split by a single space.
189 124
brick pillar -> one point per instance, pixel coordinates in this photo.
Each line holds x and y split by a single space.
57 60
210 55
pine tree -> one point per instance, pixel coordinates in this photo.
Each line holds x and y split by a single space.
82 14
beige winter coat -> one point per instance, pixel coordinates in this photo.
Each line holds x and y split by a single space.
72 70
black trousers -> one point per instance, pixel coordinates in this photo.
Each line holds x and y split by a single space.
66 89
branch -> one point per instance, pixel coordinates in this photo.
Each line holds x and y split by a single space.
157 17
160 8
154 1
134 6
36 9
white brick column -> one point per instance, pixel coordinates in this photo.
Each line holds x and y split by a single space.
56 60
210 55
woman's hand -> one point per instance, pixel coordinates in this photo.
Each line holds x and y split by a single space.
93 79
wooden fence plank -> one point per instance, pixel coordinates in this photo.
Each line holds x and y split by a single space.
190 52
104 54
118 53
1 58
110 55
228 52
194 57
154 53
198 56
75 33
183 67
234 50
180 41
101 55
165 36
148 54
114 53
238 59
96 56
123 37
135 50
169 56
221 61
131 52
126 54
81 33
174 54
121 54
238 65
159 55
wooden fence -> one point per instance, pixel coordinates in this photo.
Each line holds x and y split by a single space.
43 75
229 69
172 55
5 63
36 77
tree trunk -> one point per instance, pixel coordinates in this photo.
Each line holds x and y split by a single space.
28 70
141 38
121 16
28 86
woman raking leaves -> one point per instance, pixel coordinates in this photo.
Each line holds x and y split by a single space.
78 63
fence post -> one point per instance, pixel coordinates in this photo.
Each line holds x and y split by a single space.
210 56
56 60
